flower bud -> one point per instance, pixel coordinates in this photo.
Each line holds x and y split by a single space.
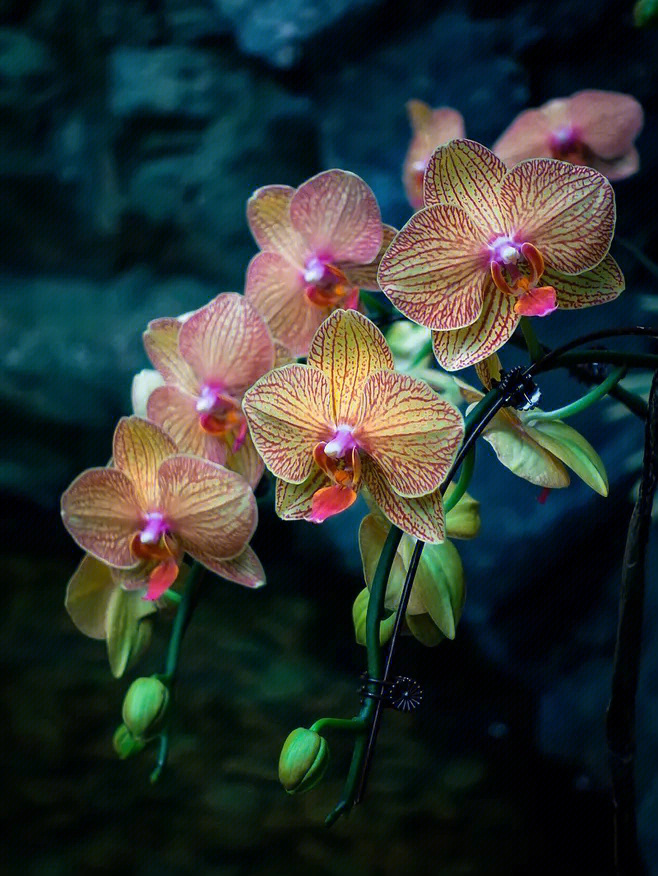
304 761
145 706
144 382
125 743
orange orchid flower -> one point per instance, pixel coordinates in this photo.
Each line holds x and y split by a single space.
155 503
319 245
347 420
207 363
431 128
596 128
493 244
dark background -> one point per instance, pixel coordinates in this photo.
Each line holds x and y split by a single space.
131 135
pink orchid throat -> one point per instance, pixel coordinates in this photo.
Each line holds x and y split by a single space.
342 443
325 285
155 527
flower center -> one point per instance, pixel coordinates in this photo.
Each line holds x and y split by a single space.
342 443
154 541
342 465
566 145
327 286
221 415
516 270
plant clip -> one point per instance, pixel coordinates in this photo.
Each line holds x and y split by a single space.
402 694
518 389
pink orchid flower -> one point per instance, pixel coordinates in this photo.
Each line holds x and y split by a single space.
155 503
493 244
596 128
208 362
320 243
431 128
347 420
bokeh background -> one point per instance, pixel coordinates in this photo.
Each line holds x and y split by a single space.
131 134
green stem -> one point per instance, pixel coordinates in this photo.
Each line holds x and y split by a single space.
610 357
181 621
375 667
535 349
353 725
580 404
172 596
425 351
461 486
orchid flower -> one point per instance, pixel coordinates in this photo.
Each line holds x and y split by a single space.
538 452
207 363
596 128
153 504
431 128
347 420
492 245
320 243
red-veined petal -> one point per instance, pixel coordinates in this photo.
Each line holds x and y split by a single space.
566 211
432 128
295 501
289 412
246 462
138 449
245 569
603 283
410 432
268 215
227 342
422 517
527 137
176 413
161 345
276 289
608 122
347 348
338 217
493 328
211 511
102 513
435 268
467 175
365 276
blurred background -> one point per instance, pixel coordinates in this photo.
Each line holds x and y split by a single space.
131 134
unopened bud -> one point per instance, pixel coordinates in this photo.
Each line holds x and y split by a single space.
125 743
304 760
145 706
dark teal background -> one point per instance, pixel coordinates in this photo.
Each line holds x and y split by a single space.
131 135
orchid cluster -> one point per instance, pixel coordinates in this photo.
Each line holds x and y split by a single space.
294 381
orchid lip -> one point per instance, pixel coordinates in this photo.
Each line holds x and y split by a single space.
505 251
342 442
208 398
154 528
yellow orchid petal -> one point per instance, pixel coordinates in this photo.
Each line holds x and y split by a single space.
125 630
410 433
463 521
422 518
494 326
573 450
348 348
102 513
603 283
466 174
268 215
488 370
161 345
175 411
295 501
210 510
289 412
88 595
138 449
439 583
245 569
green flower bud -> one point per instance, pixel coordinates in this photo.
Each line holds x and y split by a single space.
304 761
145 706
125 743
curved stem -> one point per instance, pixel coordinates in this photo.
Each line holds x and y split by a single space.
582 403
626 331
172 596
531 340
608 357
353 725
461 486
181 621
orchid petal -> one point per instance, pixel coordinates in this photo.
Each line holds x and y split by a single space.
537 302
603 283
289 413
567 212
161 579
348 348
608 121
161 345
422 518
410 433
88 595
276 289
329 501
527 137
176 413
434 270
246 462
467 175
572 449
102 513
431 128
227 343
439 584
138 449
462 521
373 532
365 276
144 382
268 215
211 510
245 569
338 217
489 370
125 634
493 328
295 501
618 168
